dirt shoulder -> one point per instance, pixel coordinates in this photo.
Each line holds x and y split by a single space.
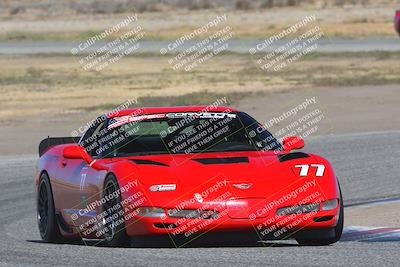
42 86
354 109
346 109
52 95
383 214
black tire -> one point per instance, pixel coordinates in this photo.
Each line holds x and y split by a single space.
113 221
338 230
47 221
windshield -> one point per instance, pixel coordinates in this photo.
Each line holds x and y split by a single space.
183 133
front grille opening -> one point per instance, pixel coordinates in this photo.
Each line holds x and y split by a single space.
193 214
166 225
323 218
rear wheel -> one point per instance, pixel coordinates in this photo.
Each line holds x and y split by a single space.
327 240
46 217
113 221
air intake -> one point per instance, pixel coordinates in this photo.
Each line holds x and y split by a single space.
292 156
148 162
208 161
323 219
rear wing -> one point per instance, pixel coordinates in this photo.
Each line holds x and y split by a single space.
45 144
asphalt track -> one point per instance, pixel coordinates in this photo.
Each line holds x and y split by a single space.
367 166
234 45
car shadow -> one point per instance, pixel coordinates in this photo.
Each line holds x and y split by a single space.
96 243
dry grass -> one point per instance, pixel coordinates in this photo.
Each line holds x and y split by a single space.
349 22
56 85
16 7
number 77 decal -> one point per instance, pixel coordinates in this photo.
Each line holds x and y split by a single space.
305 168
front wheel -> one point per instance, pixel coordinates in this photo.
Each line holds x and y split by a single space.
113 219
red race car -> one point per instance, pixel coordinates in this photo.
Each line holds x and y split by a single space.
183 174
397 21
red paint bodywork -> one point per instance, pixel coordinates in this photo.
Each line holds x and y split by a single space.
397 21
270 180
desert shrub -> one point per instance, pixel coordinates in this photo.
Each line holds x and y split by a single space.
242 4
17 10
267 4
200 4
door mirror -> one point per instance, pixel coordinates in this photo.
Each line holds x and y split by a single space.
76 152
292 143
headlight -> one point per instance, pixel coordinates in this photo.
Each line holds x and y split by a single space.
151 212
330 204
299 209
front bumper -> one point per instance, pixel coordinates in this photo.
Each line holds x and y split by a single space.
269 226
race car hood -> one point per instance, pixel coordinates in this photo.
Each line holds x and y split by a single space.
240 183
243 174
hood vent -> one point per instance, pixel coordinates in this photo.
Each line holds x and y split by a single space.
292 156
208 161
148 162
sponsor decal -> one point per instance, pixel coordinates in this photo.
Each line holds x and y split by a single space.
118 121
163 187
202 115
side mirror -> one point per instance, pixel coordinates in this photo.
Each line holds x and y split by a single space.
292 143
76 152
